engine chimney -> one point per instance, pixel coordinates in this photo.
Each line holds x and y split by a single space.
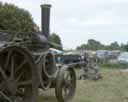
45 19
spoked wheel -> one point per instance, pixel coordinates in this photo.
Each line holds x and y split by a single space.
16 75
65 85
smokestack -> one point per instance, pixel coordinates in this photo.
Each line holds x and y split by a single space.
45 19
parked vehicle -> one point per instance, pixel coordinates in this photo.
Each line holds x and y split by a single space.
103 56
123 59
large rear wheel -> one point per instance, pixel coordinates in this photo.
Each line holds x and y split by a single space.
16 80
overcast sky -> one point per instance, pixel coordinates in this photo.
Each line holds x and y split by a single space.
76 21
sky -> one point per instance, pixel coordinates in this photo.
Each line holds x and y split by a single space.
76 21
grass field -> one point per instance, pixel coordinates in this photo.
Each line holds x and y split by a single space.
113 87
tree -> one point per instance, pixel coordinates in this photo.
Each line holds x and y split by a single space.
126 47
54 38
96 45
122 47
15 19
83 46
91 45
114 46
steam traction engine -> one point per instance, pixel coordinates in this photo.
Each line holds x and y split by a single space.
27 64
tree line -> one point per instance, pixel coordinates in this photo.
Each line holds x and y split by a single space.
94 45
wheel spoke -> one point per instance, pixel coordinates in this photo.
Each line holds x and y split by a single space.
7 60
12 67
21 65
19 76
5 96
24 83
67 78
67 75
65 91
3 73
20 92
68 83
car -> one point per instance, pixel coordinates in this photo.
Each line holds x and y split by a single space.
123 59
103 56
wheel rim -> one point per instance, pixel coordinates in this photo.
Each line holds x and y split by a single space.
15 76
65 85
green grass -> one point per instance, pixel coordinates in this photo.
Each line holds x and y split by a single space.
111 65
112 88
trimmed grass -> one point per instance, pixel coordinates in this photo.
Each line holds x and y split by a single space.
111 65
112 88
